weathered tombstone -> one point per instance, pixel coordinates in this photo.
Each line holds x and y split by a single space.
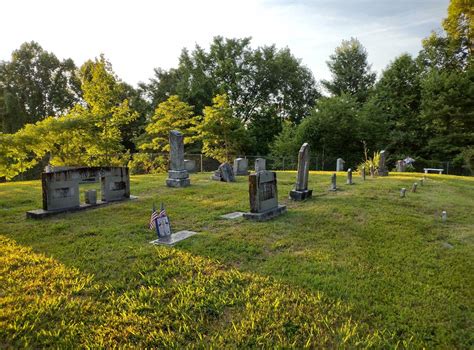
401 166
263 197
241 167
422 182
383 170
224 173
402 192
413 188
372 171
91 197
349 177
301 191
115 184
333 183
444 216
260 164
340 164
190 165
177 175
362 173
60 190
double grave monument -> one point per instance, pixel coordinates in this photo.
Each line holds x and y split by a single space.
60 189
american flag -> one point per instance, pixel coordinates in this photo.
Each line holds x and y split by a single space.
155 216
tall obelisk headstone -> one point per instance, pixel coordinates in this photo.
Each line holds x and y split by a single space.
177 175
383 170
301 191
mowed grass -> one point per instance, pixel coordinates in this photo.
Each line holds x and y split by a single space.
360 267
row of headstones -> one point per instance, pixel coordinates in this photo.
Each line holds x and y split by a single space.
262 184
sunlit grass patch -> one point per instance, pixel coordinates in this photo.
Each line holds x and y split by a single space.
358 267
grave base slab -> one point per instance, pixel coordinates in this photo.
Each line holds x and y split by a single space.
174 238
301 195
234 215
41 213
178 182
266 215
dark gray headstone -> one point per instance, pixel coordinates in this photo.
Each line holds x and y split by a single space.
362 173
177 175
263 195
241 167
260 164
224 173
383 170
349 177
333 186
401 166
301 191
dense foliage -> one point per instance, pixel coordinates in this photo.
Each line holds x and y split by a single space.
422 107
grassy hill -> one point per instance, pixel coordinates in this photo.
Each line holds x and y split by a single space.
357 268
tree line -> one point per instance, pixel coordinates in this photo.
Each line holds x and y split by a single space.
232 99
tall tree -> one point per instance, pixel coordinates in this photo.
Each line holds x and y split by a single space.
106 109
35 84
350 70
263 86
173 114
447 111
333 129
390 118
222 134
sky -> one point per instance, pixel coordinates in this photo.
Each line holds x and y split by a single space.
140 35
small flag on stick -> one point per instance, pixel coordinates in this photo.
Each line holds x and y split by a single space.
160 221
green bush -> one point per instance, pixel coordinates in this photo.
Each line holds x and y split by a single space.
146 163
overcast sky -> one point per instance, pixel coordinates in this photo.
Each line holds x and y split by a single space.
139 35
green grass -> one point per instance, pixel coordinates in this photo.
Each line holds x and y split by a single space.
357 268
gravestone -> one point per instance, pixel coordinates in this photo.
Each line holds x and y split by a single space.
190 165
402 192
422 181
161 223
413 188
349 177
383 170
60 188
260 164
444 216
340 164
224 173
301 191
115 184
401 166
263 195
177 175
333 183
362 173
241 167
91 197
372 171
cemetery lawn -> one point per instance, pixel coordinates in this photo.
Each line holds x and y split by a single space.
360 267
